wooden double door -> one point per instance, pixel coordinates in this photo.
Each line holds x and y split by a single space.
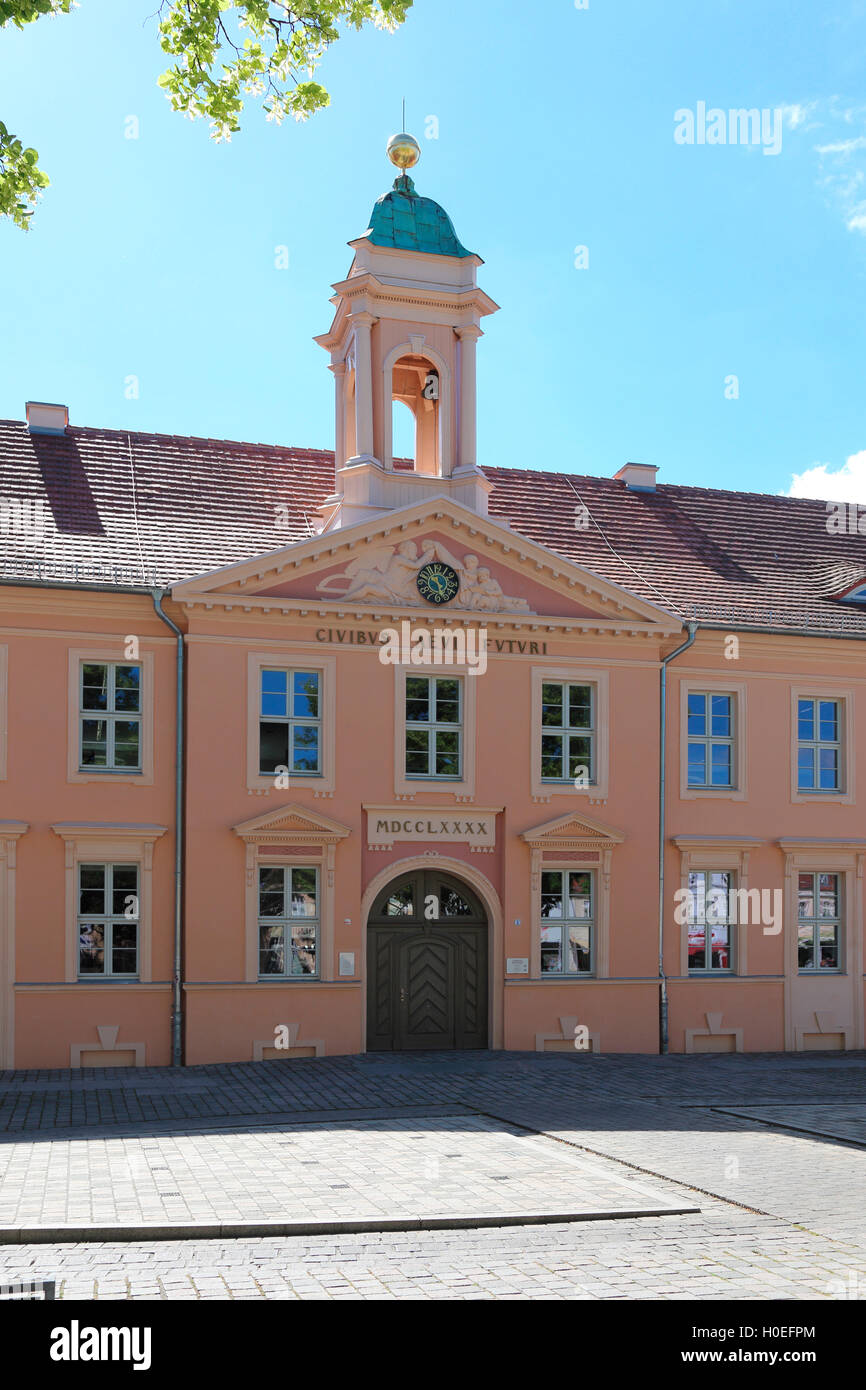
426 966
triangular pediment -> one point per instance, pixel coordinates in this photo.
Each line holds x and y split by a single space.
292 823
571 831
387 565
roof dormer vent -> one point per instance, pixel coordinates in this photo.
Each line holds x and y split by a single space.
43 418
640 477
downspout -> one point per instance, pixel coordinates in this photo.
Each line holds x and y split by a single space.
692 628
177 991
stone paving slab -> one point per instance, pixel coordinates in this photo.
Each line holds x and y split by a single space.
782 1200
721 1254
56 1099
846 1121
387 1173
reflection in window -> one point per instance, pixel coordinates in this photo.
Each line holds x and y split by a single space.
710 740
567 733
290 722
110 716
433 726
451 904
401 902
818 921
818 745
108 914
288 920
567 920
709 921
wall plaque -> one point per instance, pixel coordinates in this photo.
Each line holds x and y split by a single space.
467 825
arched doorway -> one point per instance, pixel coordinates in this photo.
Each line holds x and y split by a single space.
426 965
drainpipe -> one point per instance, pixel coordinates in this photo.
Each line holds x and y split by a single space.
692 628
177 992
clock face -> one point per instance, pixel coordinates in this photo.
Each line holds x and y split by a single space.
437 583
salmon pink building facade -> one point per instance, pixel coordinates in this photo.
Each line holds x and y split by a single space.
309 753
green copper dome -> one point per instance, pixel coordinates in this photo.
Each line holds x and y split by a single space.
404 220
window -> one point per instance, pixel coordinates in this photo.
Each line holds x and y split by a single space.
109 716
434 727
567 732
108 916
288 921
710 739
819 745
709 921
818 921
567 922
290 723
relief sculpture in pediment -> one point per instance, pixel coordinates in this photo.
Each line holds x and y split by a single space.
389 573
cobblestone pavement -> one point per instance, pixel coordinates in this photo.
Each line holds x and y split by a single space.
783 1210
347 1169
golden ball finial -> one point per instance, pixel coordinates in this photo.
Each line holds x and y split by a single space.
404 151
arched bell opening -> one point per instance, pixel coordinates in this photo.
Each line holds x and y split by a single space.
415 384
403 434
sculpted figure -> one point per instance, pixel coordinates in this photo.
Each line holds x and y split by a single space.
365 572
482 593
381 574
390 573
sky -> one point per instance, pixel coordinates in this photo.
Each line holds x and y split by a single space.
675 288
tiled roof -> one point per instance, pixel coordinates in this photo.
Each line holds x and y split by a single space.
111 507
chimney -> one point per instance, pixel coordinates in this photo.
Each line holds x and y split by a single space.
639 477
43 418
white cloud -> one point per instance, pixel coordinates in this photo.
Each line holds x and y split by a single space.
797 114
843 146
841 156
846 484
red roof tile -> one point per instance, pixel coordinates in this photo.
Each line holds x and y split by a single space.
112 507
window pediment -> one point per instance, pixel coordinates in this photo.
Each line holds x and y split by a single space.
293 823
571 832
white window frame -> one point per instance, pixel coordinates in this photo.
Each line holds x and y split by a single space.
109 920
708 969
567 922
815 921
738 790
406 788
716 854
321 783
289 721
598 680
102 656
110 716
432 727
287 920
110 843
566 732
844 795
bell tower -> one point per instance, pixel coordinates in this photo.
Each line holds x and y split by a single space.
406 323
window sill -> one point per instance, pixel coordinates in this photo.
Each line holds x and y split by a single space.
107 980
288 980
840 798
303 776
712 793
110 775
563 979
